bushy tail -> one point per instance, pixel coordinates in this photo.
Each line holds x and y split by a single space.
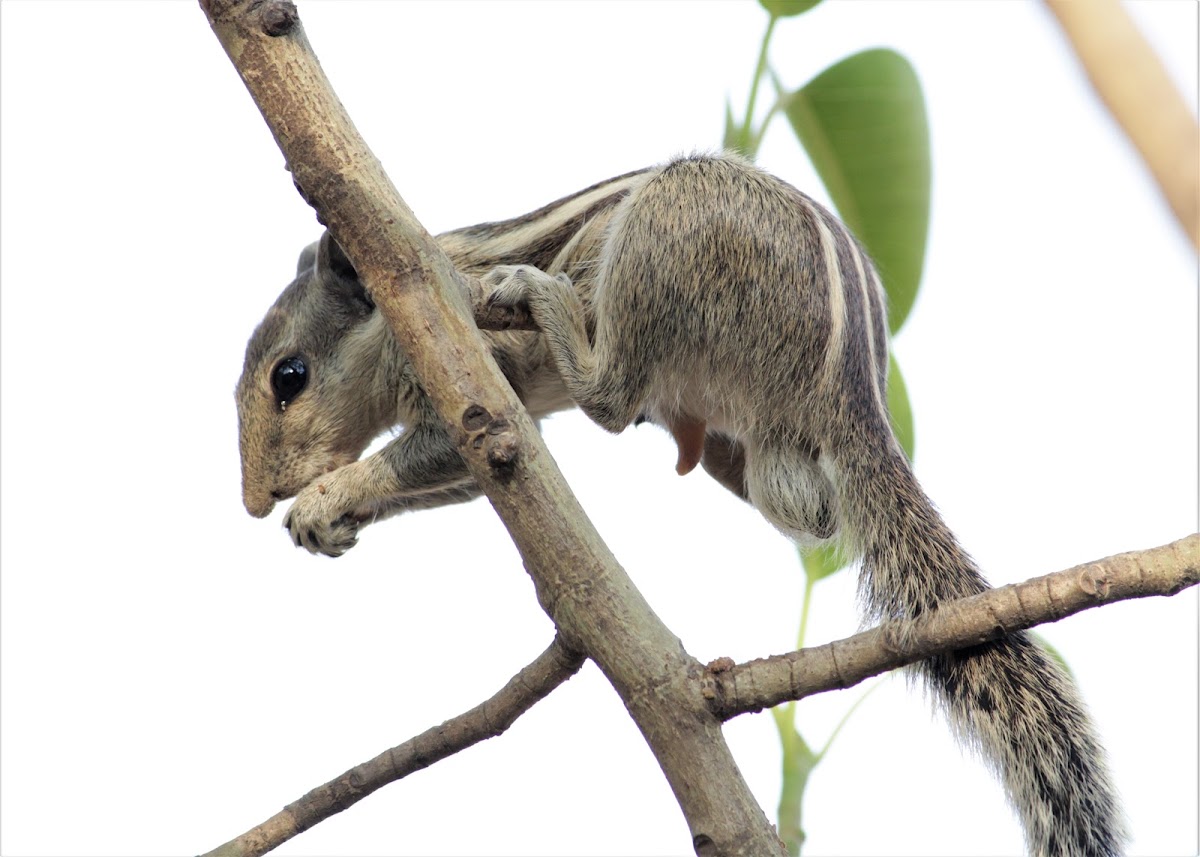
1007 699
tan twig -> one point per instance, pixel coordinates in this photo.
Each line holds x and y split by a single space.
487 720
760 684
1131 81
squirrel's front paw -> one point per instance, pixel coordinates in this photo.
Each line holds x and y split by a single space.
320 519
514 285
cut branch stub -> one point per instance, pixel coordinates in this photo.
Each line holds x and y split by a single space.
494 435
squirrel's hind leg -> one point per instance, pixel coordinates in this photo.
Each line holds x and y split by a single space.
607 387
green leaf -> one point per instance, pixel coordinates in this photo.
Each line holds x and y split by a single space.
863 124
820 562
787 8
900 409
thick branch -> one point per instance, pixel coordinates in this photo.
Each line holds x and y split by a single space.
591 600
1132 82
760 684
532 684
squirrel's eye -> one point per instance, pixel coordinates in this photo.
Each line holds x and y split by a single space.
288 379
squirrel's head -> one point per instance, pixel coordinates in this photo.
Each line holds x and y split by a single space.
303 399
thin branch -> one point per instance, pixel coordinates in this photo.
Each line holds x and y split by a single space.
759 684
1131 81
487 720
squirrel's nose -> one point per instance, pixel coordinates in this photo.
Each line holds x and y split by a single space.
259 504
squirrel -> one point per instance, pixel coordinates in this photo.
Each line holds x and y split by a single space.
716 300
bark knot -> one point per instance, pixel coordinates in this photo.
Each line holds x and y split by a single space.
279 17
475 417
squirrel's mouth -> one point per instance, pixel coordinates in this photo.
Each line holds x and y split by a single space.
259 501
260 506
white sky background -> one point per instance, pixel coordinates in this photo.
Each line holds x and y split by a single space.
175 672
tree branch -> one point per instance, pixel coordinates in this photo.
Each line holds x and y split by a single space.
759 684
487 720
591 600
1131 81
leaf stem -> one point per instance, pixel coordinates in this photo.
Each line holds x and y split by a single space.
748 121
809 583
756 140
845 717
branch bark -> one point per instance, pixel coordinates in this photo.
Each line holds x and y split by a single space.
487 720
759 684
587 594
1131 81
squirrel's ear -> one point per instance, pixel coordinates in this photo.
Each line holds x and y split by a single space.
308 258
338 274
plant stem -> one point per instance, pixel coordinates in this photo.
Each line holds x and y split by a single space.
853 708
781 97
756 140
748 121
809 583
